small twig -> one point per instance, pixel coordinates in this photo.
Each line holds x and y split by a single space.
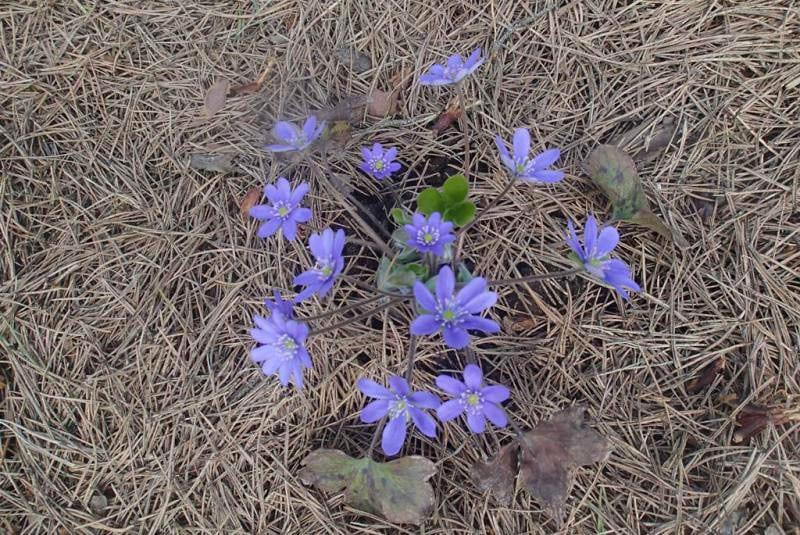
365 315
533 278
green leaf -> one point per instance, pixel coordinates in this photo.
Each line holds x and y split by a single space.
396 275
397 490
430 201
460 214
399 216
615 174
463 274
455 189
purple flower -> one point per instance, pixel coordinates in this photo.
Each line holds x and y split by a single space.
401 405
529 170
472 397
429 235
593 256
453 312
379 163
327 250
283 211
283 351
455 70
279 305
292 137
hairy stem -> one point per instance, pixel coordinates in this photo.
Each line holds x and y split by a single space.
348 321
375 436
462 119
533 278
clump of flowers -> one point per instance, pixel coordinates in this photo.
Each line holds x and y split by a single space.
379 163
291 137
283 211
401 405
594 256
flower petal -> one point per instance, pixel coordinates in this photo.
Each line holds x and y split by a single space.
480 302
456 337
496 393
606 241
310 127
317 246
399 385
477 323
424 297
547 176
471 290
302 214
290 229
425 325
270 365
372 389
445 284
286 132
394 434
424 400
473 376
495 414
522 143
374 411
505 157
476 422
451 385
546 158
299 192
268 228
572 241
449 410
424 422
590 236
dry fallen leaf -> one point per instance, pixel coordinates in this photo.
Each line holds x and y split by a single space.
350 57
252 87
382 103
554 450
216 96
221 163
447 118
497 476
350 109
706 377
250 199
753 419
519 324
659 142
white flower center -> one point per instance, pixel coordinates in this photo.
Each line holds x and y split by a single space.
472 401
287 347
428 235
324 268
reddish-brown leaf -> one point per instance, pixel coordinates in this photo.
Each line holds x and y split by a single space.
350 109
706 377
250 199
497 476
244 89
446 119
382 103
553 451
753 419
216 96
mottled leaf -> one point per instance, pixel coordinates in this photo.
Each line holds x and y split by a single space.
98 503
397 490
382 103
221 163
216 96
460 214
339 134
553 451
455 189
430 201
615 174
357 61
249 200
498 475
447 118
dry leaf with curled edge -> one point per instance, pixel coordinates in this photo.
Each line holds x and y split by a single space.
498 475
397 490
553 451
216 96
614 172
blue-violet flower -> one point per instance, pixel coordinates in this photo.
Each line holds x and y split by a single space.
529 170
283 211
327 250
474 399
429 235
454 313
454 71
379 163
401 405
283 351
292 137
593 256
280 305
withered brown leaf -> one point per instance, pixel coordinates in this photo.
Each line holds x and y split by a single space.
706 377
497 476
382 103
447 118
221 163
553 451
250 199
216 96
356 60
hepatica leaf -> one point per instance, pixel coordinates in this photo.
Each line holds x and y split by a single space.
429 201
455 189
460 214
554 450
397 490
615 173
498 475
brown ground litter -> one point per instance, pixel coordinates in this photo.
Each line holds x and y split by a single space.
127 279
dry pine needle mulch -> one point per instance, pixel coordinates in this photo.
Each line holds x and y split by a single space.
127 278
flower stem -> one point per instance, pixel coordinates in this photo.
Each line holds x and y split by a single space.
462 119
533 278
412 353
374 441
348 321
357 304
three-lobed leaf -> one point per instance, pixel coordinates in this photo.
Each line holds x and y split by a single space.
430 201
460 214
455 189
397 490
